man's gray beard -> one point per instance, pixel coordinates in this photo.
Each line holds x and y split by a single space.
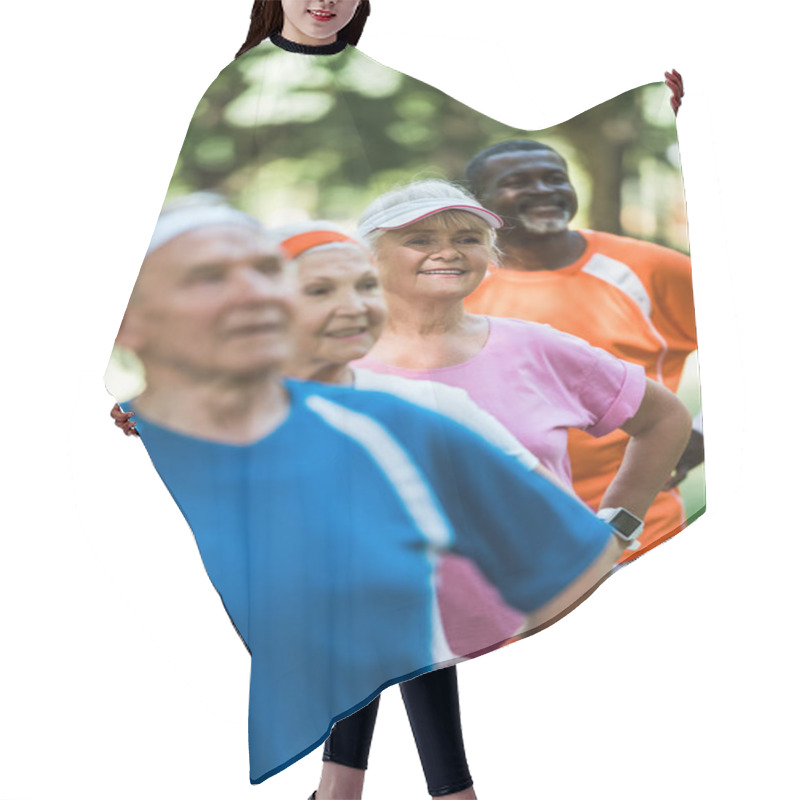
540 227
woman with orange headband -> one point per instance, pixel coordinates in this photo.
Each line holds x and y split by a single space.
340 316
341 313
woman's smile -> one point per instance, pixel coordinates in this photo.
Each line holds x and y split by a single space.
321 16
348 333
450 271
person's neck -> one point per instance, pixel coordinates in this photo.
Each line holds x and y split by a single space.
295 41
338 374
224 410
415 318
528 252
428 335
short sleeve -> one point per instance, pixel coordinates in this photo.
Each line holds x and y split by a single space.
605 390
613 391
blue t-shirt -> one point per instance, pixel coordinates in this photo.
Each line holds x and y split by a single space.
322 540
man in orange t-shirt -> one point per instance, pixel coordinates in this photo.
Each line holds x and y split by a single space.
629 297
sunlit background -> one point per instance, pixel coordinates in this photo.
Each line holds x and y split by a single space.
291 152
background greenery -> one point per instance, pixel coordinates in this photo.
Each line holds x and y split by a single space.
277 135
294 150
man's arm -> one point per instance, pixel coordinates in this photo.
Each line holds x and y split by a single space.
672 297
693 456
674 317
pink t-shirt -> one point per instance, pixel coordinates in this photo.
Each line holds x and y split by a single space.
538 382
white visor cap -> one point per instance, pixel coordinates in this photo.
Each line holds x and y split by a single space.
411 211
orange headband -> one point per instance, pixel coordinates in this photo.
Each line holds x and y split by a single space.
295 246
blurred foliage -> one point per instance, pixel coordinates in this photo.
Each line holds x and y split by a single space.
693 489
288 138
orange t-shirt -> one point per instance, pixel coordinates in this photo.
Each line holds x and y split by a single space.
633 299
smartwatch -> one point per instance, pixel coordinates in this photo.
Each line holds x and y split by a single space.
627 527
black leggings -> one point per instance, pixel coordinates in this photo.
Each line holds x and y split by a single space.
432 707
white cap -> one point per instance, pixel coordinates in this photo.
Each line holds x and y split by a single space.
411 211
174 222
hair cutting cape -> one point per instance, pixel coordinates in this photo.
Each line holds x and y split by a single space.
325 538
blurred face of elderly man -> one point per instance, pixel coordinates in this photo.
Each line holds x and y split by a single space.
212 305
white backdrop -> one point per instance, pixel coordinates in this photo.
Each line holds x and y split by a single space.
121 676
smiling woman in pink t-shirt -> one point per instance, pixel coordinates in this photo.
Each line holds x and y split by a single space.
433 243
